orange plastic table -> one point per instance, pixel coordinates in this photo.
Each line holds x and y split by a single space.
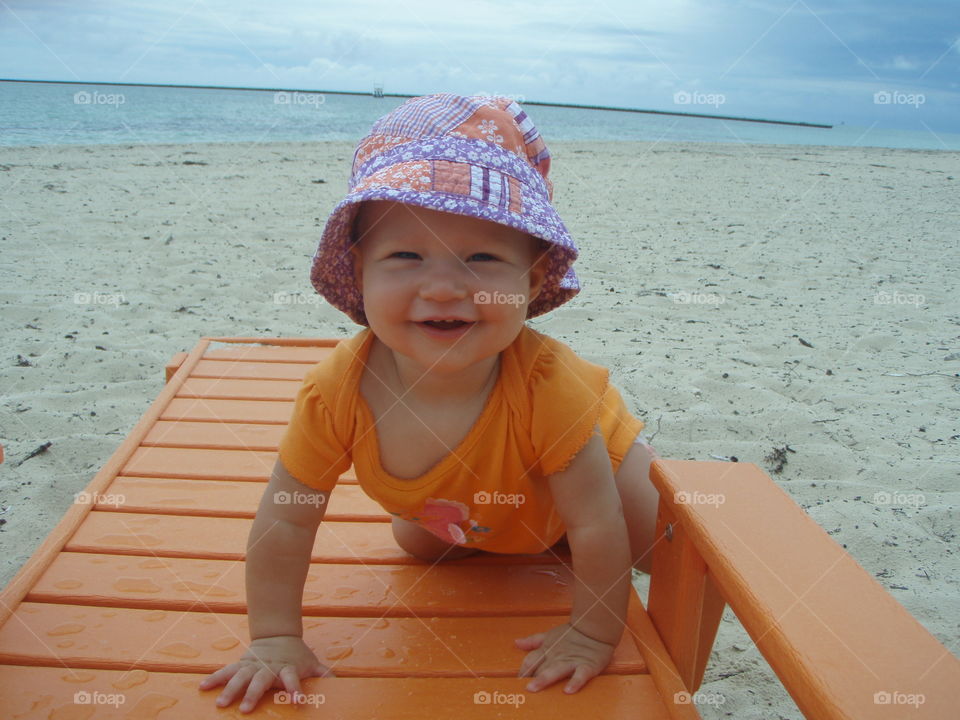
138 593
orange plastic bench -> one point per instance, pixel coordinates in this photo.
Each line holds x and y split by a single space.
138 593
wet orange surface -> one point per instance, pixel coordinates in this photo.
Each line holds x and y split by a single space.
139 591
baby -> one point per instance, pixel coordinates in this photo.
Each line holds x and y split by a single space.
446 243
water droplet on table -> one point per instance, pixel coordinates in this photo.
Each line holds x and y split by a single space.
338 653
66 629
136 585
180 650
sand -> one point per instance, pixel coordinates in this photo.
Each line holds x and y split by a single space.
745 298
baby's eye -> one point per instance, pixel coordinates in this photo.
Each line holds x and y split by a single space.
405 255
482 256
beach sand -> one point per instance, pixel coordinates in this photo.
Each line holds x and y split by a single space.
745 298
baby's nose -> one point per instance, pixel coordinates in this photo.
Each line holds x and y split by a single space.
445 281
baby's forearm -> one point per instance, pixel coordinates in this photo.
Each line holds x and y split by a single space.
602 574
278 558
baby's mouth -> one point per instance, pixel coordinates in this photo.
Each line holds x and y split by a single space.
446 324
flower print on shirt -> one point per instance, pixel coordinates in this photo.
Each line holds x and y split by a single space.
444 518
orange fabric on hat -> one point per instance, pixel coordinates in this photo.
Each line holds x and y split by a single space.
491 491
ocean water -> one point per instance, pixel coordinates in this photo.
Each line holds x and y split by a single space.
82 114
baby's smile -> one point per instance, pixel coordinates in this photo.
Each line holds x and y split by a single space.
450 327
446 324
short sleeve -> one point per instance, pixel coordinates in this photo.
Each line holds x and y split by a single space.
566 396
310 449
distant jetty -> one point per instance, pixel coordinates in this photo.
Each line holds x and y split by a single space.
682 114
378 92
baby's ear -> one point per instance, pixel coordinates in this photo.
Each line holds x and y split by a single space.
538 268
357 263
356 251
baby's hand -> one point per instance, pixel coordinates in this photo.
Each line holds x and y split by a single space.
269 662
562 652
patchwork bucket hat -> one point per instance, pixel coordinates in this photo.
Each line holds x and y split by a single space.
476 156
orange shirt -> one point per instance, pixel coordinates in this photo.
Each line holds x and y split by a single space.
491 491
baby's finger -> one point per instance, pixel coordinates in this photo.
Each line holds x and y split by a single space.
531 642
530 663
548 674
581 676
291 681
236 685
259 685
219 677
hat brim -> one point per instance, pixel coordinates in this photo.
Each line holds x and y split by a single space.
332 271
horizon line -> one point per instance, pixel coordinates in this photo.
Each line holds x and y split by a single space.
402 95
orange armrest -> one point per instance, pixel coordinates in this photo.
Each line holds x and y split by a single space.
840 643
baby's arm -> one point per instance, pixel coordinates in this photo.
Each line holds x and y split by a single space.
587 499
278 554
278 557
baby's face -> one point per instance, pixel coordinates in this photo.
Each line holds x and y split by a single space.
443 289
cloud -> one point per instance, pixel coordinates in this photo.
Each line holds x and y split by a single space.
768 57
902 63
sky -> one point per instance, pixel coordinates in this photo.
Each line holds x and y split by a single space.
870 63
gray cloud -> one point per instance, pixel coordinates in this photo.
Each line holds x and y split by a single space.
806 60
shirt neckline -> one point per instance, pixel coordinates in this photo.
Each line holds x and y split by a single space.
442 466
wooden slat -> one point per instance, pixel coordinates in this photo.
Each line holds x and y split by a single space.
267 353
659 664
224 498
229 389
230 411
832 634
200 463
226 539
53 692
220 435
250 370
330 589
172 641
206 463
684 603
